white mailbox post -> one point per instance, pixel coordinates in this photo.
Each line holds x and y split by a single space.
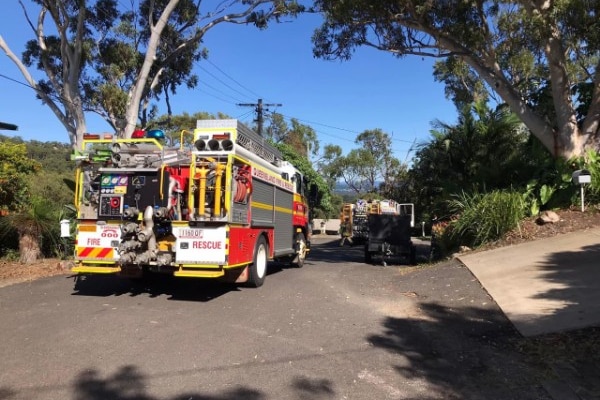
65 229
582 177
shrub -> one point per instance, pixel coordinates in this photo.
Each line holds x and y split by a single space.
442 241
486 217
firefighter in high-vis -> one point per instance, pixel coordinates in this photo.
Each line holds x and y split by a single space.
346 232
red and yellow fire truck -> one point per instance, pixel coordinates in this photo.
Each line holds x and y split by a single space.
221 208
383 226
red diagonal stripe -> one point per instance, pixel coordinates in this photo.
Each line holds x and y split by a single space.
84 251
105 252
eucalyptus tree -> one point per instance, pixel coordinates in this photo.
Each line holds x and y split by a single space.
327 164
518 50
300 137
100 57
371 168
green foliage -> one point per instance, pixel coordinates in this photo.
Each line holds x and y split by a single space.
370 169
325 205
37 220
41 183
9 254
328 164
54 187
462 85
15 166
486 150
301 137
482 218
591 163
550 185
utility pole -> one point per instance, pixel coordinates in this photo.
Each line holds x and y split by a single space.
259 112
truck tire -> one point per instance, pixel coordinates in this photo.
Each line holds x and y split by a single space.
368 255
412 258
258 269
298 260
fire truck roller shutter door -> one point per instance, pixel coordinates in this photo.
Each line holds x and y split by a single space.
284 239
262 201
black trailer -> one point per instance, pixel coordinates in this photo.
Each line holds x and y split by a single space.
389 236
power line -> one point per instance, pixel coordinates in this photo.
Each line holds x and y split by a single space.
219 80
244 115
239 84
340 129
402 149
219 91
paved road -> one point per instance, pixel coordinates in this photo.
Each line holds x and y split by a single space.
335 329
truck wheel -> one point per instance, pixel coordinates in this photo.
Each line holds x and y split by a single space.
413 255
368 255
258 269
300 256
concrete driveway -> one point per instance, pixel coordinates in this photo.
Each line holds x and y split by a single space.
544 286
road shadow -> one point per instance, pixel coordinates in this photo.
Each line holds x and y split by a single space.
159 285
128 382
462 352
328 249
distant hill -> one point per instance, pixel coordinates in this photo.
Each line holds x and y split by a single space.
53 156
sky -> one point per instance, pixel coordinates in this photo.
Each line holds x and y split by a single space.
338 99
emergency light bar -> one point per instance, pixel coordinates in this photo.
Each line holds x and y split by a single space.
97 136
151 134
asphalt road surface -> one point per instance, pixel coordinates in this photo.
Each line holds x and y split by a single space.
335 329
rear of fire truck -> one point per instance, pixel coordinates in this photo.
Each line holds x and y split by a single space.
389 231
220 208
383 226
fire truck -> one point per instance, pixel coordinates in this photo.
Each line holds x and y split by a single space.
383 226
221 208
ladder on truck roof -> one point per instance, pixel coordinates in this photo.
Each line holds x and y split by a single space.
246 138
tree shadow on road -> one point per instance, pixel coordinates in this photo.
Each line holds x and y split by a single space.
573 279
129 383
463 353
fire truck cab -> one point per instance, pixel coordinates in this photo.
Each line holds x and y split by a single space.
221 208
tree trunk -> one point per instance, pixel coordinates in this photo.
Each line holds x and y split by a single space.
29 248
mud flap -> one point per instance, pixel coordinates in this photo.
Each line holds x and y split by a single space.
237 275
